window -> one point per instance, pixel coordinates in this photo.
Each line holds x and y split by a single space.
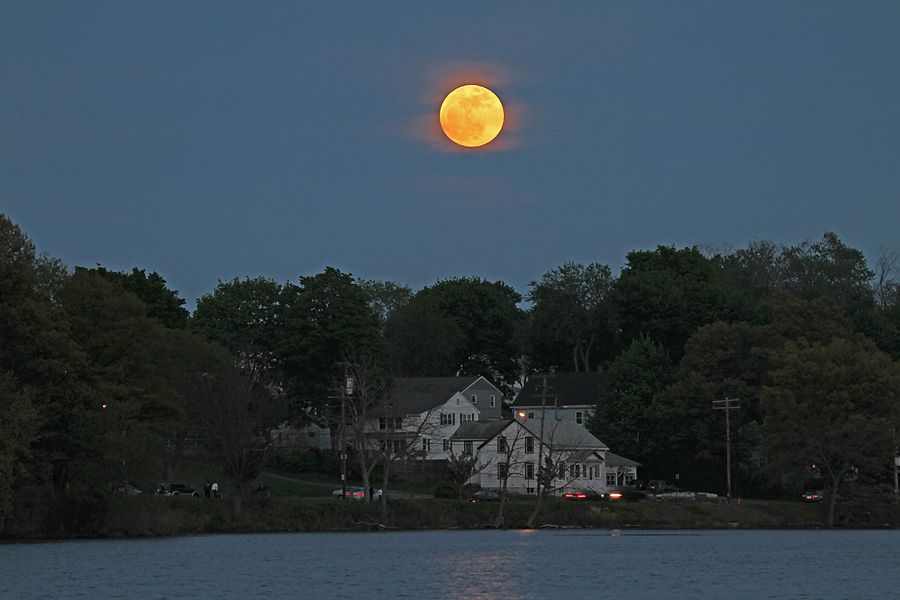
529 470
446 445
398 422
382 423
474 398
467 448
579 417
576 471
448 418
610 479
501 445
562 470
590 472
493 400
501 470
426 445
531 415
529 445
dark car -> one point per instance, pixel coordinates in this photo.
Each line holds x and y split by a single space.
813 495
485 496
582 495
628 493
176 488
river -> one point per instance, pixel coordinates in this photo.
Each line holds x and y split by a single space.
477 565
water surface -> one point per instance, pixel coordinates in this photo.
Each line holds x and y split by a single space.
483 565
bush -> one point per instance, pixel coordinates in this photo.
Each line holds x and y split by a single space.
445 489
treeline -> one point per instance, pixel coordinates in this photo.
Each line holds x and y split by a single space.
105 376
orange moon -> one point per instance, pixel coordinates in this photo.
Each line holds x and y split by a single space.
471 116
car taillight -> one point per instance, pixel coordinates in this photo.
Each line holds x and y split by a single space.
581 496
615 495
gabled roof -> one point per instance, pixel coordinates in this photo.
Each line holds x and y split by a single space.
414 395
567 389
480 430
614 460
566 434
557 434
580 455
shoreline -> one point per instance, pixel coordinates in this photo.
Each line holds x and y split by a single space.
155 517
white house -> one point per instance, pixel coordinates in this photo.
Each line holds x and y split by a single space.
511 449
426 411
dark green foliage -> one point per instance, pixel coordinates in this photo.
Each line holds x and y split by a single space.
832 408
159 301
474 322
626 420
668 293
328 320
572 320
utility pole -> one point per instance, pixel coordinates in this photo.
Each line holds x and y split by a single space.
343 392
544 388
728 405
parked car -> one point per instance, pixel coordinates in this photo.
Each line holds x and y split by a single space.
356 493
126 489
485 496
659 486
628 493
176 488
582 495
813 495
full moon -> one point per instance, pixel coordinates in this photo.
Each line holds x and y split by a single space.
471 116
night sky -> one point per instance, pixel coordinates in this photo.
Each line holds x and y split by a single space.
207 140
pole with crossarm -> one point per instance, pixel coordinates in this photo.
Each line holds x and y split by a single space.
728 405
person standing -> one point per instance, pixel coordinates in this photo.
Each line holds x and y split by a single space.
215 489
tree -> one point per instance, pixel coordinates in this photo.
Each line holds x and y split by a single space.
161 302
572 316
625 419
385 297
236 412
832 408
829 268
486 315
463 467
668 293
247 317
328 319
129 399
423 341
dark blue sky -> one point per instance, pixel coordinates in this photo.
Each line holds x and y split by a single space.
208 140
